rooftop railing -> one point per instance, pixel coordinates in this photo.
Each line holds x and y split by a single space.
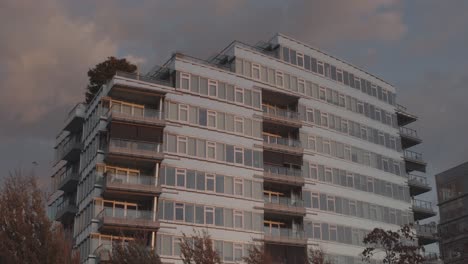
282 170
409 132
413 155
134 147
144 78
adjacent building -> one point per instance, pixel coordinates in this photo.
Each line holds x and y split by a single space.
452 192
277 143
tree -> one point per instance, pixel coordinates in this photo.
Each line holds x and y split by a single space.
398 247
26 233
133 251
198 249
317 256
257 255
103 72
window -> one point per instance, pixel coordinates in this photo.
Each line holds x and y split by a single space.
211 120
239 95
183 113
212 88
315 200
331 203
286 54
311 142
238 219
326 147
279 79
301 85
320 67
210 184
179 212
317 229
300 59
239 155
180 176
322 95
237 252
313 171
182 145
255 71
209 215
185 81
339 75
238 187
239 124
203 86
211 150
324 119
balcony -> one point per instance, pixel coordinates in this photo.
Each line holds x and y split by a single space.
75 118
104 253
409 137
283 206
69 149
284 236
422 209
283 175
282 145
66 179
122 149
427 234
403 117
414 161
66 211
130 187
115 219
139 116
418 184
280 116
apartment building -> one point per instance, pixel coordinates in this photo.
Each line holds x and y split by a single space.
452 192
277 143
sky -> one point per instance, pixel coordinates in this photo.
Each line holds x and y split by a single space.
46 49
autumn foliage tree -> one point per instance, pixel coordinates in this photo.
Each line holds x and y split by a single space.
133 251
257 255
198 249
26 233
397 247
317 256
103 72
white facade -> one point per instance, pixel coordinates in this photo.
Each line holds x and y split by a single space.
209 173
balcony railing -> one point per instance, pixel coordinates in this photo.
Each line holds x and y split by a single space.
145 115
144 78
408 154
68 144
134 180
283 171
120 217
283 114
64 176
67 206
409 132
417 180
284 234
426 230
422 205
287 142
140 185
283 201
138 148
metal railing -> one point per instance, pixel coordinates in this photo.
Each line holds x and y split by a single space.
281 141
283 233
65 174
413 155
272 53
409 132
146 114
280 113
426 230
418 180
425 205
128 179
277 170
78 110
144 78
125 214
134 147
67 144
284 201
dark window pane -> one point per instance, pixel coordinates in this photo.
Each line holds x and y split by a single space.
293 57
346 77
230 153
286 54
307 62
313 65
202 117
333 72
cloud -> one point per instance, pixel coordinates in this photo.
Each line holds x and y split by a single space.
45 55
